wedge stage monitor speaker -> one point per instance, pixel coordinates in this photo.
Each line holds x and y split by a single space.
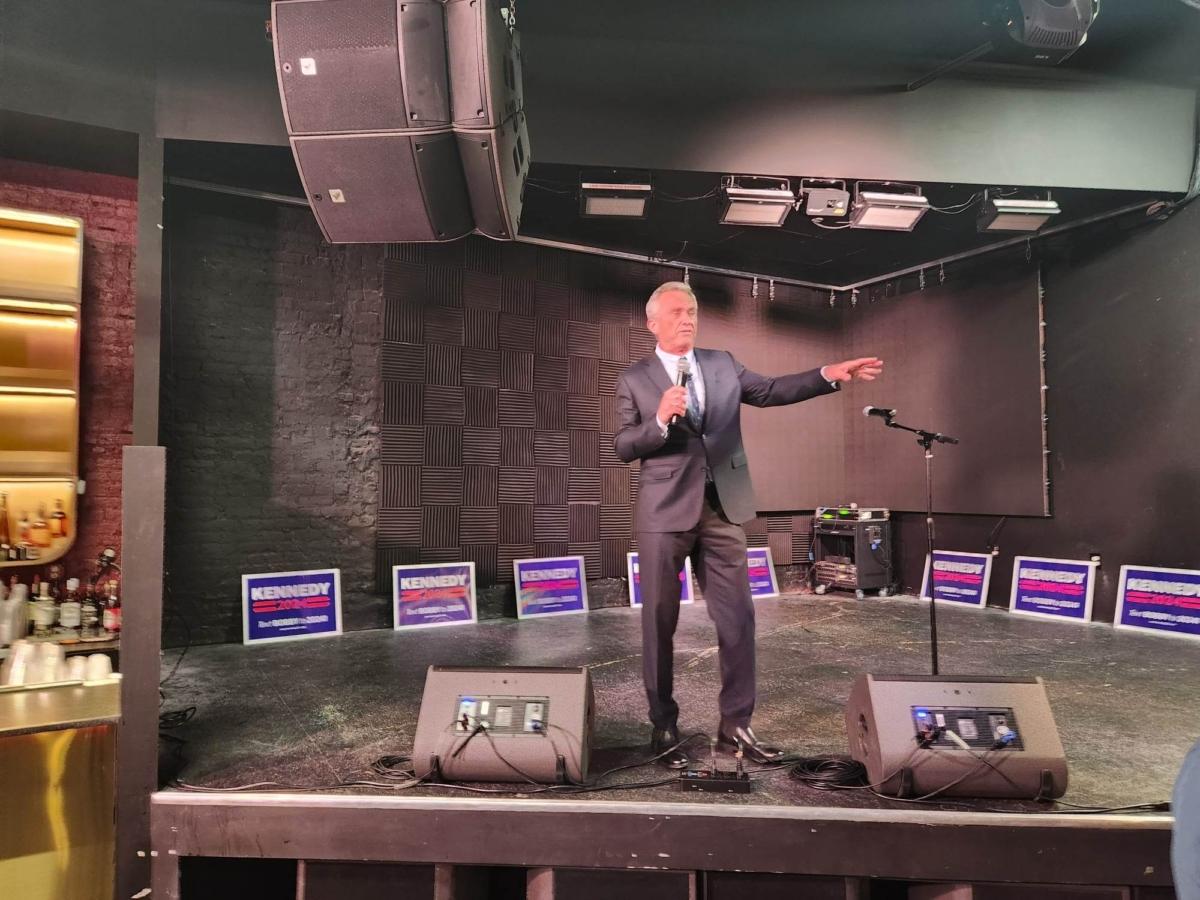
928 736
361 65
496 163
504 724
485 63
391 187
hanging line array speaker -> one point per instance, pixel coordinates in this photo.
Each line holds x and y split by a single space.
390 147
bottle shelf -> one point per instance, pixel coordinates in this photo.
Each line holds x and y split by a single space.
35 390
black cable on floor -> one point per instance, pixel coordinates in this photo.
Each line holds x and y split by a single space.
176 717
830 773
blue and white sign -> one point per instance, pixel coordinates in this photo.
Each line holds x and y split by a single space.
291 606
762 573
431 594
1053 588
1166 601
551 586
957 577
686 593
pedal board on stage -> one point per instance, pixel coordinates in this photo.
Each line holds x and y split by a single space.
715 781
970 736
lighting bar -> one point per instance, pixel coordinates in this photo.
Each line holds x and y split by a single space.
1007 214
615 199
887 210
756 201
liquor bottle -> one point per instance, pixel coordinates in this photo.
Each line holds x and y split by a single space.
5 537
89 615
39 531
54 574
22 529
15 588
112 611
59 526
46 613
69 614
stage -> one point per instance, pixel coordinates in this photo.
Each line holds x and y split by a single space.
314 714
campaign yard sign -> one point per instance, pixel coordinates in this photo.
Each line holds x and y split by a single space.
957 577
1053 588
551 586
1163 600
686 593
761 572
432 594
291 606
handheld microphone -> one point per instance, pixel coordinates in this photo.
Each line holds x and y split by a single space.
869 411
683 370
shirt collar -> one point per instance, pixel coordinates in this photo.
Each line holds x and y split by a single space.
671 359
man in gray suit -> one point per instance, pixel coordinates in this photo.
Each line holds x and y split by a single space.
694 495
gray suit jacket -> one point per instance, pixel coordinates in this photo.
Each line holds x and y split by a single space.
671 486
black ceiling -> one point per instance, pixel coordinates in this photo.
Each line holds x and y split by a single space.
1153 40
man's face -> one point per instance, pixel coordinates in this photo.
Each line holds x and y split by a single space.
674 322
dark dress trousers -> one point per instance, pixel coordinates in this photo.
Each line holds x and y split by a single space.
694 494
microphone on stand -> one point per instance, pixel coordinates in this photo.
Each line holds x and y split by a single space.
869 411
683 371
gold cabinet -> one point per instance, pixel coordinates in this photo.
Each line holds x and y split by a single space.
41 278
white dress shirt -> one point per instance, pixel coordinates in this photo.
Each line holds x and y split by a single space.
670 362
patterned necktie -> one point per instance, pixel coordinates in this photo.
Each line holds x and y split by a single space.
694 413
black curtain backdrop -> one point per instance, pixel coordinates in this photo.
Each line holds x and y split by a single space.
960 359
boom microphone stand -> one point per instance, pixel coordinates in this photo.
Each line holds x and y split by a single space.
926 439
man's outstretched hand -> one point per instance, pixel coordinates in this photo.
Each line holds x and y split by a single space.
868 368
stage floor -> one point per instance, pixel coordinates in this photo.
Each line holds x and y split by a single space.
315 713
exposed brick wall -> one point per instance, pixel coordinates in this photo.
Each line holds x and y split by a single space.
108 206
269 408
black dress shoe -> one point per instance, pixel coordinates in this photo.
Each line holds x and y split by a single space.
661 742
750 745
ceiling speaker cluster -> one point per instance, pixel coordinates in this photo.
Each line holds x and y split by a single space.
406 119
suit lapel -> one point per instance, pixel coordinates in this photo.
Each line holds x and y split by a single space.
655 372
709 374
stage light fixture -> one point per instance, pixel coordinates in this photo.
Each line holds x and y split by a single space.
825 198
756 201
1010 214
615 195
889 209
1051 30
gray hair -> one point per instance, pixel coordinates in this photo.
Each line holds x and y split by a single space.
667 288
